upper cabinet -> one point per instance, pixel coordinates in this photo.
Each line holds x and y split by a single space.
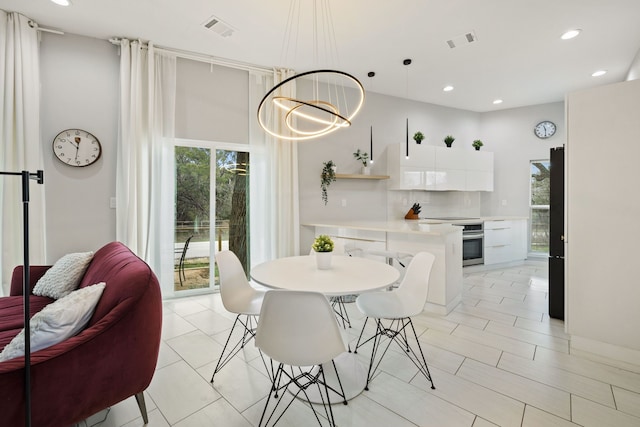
439 168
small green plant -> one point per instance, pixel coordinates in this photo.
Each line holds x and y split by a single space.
327 176
449 140
477 144
418 137
323 243
362 157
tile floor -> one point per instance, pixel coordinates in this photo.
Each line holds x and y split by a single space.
497 359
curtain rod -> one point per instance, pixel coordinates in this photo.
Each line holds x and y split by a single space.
37 27
209 59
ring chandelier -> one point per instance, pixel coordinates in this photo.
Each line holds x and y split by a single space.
302 119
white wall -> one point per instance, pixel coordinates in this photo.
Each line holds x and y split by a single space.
80 89
602 228
509 134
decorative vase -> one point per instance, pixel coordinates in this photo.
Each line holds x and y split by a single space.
323 260
334 169
366 170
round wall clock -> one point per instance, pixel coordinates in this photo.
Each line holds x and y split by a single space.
76 147
545 129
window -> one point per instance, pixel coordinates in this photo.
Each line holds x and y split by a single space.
539 205
211 211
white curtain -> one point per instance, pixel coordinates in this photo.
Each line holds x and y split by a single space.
275 224
20 145
144 175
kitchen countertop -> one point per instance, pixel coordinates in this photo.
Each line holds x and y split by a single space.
471 220
436 228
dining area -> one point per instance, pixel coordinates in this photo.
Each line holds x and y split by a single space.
295 313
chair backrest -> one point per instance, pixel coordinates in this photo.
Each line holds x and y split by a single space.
414 288
298 328
234 286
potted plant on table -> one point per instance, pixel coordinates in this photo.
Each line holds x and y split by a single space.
323 248
362 157
327 176
477 144
418 137
449 140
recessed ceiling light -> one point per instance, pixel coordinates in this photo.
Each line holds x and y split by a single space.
570 34
498 101
599 73
447 88
62 2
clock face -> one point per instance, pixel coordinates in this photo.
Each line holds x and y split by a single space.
545 129
76 147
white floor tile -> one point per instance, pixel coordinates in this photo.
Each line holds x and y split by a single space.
485 313
534 417
497 341
591 414
542 327
559 378
461 346
219 412
532 393
534 338
196 348
488 404
421 407
627 401
179 391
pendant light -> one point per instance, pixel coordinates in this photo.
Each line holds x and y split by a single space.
371 74
407 62
327 109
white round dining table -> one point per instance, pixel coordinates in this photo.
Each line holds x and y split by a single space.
347 276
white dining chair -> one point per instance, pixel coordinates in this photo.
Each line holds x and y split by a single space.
240 298
299 332
395 308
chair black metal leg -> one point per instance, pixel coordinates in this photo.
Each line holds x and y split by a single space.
247 335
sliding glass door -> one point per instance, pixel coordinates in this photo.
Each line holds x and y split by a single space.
212 212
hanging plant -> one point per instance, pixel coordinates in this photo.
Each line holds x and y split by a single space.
327 176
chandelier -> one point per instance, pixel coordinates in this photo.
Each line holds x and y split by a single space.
324 107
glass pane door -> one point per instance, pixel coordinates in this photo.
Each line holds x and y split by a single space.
197 177
539 205
193 213
232 204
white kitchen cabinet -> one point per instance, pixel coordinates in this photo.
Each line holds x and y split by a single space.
439 169
356 242
504 241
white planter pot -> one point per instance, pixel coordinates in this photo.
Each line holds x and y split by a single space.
323 260
366 170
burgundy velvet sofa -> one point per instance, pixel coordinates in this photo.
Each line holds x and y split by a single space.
113 358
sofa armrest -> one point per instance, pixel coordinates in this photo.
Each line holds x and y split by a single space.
35 273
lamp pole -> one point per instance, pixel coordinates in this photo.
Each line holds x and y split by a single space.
26 289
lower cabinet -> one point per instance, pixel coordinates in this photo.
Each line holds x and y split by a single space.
504 241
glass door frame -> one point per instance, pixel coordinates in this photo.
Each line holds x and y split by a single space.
213 146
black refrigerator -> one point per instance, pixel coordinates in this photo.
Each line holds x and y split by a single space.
556 234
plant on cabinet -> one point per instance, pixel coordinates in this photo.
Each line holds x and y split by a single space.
477 144
418 137
449 140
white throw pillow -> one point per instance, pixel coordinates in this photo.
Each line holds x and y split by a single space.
64 276
58 321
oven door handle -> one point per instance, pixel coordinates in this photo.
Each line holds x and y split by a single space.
472 236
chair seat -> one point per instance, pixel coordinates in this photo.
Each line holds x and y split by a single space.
383 305
247 303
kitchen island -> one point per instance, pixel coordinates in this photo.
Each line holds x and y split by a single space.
369 238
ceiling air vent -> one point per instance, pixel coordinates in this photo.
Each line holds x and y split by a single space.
461 40
219 27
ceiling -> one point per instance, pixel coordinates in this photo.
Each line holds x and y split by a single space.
518 55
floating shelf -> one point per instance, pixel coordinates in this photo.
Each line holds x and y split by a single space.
360 176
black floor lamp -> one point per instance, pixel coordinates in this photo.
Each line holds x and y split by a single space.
26 291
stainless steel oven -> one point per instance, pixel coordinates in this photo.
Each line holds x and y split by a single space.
472 244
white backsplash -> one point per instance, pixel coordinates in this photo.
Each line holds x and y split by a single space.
434 203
